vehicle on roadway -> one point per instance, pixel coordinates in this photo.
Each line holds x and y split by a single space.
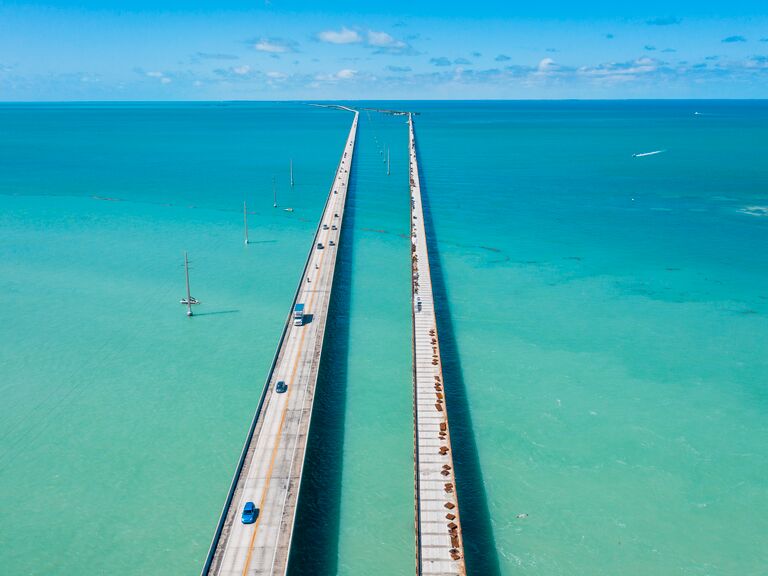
334 227
281 387
325 226
319 245
298 315
250 513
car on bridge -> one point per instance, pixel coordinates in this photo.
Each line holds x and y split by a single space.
281 387
250 513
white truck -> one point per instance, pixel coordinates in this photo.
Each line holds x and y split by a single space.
298 315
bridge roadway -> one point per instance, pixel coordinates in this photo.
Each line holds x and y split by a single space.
269 472
439 543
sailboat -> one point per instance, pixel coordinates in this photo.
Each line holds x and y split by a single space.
387 160
291 172
189 300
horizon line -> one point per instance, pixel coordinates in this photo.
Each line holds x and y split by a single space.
302 100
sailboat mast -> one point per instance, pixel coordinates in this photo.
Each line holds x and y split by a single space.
291 172
274 192
387 160
186 273
245 221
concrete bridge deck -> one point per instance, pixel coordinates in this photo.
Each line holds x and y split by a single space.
439 544
270 468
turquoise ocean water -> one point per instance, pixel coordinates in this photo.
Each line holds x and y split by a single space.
604 320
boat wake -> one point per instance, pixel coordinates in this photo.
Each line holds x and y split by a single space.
755 210
642 154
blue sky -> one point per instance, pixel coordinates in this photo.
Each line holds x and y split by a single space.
173 50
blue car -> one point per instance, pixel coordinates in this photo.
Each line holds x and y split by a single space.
281 387
250 513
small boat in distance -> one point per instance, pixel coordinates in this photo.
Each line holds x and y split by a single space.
288 209
189 300
642 154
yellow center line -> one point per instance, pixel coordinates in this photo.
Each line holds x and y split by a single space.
282 422
272 459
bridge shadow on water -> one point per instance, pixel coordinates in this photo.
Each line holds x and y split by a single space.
315 545
479 542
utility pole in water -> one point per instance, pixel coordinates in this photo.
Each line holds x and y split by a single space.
274 192
189 300
245 221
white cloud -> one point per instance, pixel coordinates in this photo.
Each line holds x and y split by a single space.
159 75
272 45
344 74
546 65
277 75
383 40
343 36
241 70
619 69
380 42
760 62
